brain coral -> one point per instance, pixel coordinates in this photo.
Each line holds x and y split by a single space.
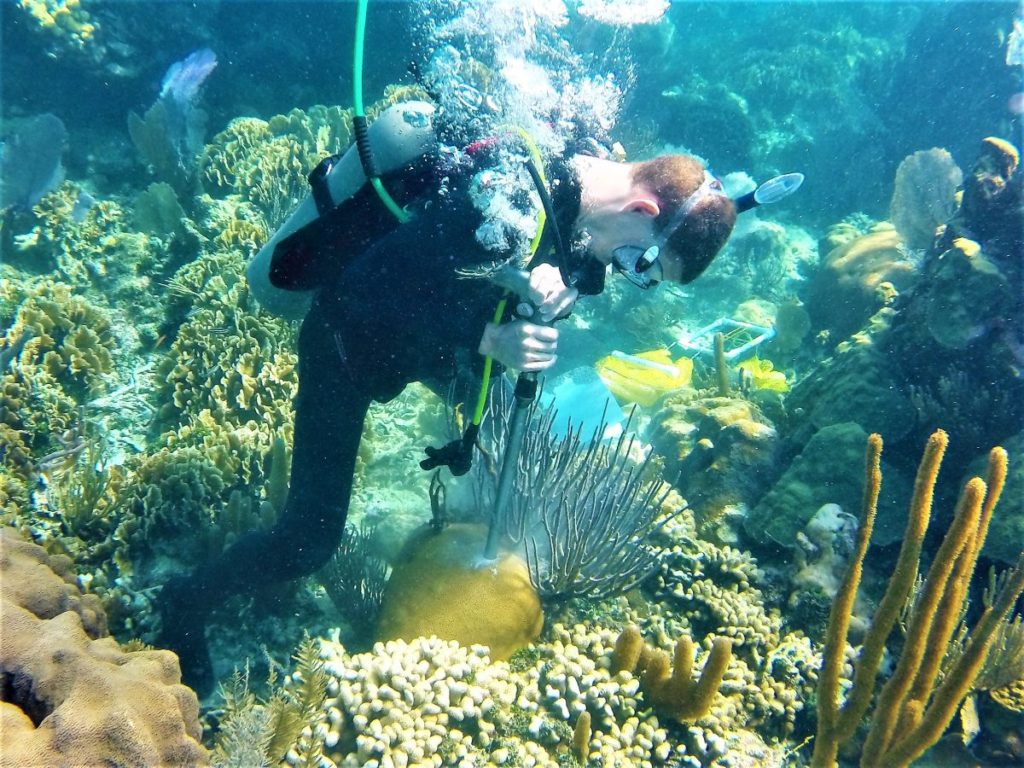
71 694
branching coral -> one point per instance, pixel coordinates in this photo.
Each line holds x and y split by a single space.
914 707
673 688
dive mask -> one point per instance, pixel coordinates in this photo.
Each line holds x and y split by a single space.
641 266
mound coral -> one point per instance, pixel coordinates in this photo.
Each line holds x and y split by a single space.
438 588
817 476
721 449
855 278
71 694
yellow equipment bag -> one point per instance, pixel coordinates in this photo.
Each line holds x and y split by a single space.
644 377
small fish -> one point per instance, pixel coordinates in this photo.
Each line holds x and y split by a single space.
83 204
11 352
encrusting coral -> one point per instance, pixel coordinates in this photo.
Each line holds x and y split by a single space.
72 696
919 700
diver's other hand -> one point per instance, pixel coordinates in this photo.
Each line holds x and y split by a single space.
549 294
521 344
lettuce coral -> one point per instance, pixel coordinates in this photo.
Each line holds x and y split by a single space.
265 162
68 339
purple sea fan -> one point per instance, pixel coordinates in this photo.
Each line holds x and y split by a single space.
184 78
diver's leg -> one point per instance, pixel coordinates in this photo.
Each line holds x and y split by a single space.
329 414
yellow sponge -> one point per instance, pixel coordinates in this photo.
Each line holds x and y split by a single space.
440 588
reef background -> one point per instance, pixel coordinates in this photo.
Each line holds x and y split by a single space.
145 407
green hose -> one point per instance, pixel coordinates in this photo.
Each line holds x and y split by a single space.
360 114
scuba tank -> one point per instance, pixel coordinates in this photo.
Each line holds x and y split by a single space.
399 136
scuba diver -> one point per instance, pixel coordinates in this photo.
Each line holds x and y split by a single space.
387 303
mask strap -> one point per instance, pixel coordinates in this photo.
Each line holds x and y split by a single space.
706 188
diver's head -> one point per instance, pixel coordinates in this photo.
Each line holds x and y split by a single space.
695 217
661 219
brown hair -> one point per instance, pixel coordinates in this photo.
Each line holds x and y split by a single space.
672 179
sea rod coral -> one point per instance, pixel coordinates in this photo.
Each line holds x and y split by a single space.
919 700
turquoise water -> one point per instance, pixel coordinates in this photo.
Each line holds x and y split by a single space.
147 391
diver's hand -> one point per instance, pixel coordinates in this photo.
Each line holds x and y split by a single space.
521 344
548 294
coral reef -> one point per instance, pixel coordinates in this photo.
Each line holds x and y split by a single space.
265 162
430 702
61 349
721 450
91 246
66 21
856 278
820 475
71 694
705 589
229 377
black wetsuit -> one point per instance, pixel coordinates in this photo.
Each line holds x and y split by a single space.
390 309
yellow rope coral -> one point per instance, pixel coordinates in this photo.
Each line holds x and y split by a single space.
912 710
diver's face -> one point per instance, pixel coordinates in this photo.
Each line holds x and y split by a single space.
610 230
